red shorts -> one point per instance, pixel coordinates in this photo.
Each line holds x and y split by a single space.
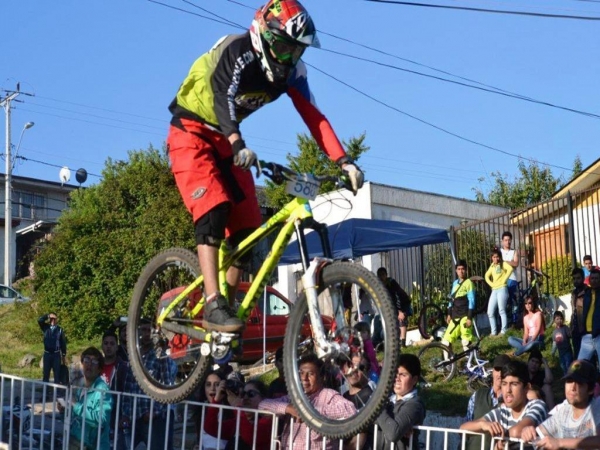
202 162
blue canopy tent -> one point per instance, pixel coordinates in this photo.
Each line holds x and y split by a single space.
357 237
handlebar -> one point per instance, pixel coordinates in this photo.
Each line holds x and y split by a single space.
279 174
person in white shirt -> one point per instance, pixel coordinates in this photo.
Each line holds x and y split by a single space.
575 423
511 257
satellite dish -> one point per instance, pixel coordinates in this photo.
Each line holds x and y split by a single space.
81 175
64 175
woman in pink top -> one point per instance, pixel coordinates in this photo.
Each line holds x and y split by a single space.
533 329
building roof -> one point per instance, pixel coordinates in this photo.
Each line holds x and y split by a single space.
584 180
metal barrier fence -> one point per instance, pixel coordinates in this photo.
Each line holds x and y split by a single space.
31 420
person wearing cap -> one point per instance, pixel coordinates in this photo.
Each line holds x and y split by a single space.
485 399
55 346
516 412
575 423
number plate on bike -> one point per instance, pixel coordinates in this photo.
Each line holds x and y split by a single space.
304 186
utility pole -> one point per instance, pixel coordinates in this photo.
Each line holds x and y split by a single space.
6 104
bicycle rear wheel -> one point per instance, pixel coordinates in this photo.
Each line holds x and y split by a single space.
340 280
179 363
433 368
430 320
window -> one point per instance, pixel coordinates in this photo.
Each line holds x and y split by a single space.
28 205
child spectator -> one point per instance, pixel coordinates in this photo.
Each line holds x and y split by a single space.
365 336
561 341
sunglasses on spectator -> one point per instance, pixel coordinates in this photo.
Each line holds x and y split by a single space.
250 394
52 318
92 361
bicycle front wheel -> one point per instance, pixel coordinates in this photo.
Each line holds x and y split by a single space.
349 281
435 367
431 319
167 365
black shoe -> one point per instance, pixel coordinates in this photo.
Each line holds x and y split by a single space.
218 316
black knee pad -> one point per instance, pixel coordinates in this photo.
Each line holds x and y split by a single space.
234 240
210 228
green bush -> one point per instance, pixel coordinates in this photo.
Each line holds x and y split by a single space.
559 270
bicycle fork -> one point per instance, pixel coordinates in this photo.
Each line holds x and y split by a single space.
325 347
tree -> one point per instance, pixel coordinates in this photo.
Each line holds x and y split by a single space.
312 160
533 184
577 166
102 242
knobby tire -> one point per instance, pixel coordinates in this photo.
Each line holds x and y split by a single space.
430 356
171 269
341 277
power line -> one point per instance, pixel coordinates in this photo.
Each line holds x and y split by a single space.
492 91
484 88
424 121
493 11
52 165
443 130
190 12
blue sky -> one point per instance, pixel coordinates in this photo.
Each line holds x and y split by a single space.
104 72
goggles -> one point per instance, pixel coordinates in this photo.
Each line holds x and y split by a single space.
284 50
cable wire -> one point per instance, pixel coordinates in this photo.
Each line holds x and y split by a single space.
493 11
443 130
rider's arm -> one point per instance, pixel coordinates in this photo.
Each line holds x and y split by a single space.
225 82
317 123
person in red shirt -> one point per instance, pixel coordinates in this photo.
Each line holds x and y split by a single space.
254 428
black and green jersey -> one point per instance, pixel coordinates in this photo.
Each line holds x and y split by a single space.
227 84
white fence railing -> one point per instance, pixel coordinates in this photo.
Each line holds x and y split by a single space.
31 419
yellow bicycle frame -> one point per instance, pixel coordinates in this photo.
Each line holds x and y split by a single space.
291 216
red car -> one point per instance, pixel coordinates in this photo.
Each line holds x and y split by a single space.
276 318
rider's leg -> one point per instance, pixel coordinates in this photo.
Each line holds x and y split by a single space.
234 273
210 231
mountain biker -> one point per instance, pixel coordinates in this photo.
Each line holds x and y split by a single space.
209 158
